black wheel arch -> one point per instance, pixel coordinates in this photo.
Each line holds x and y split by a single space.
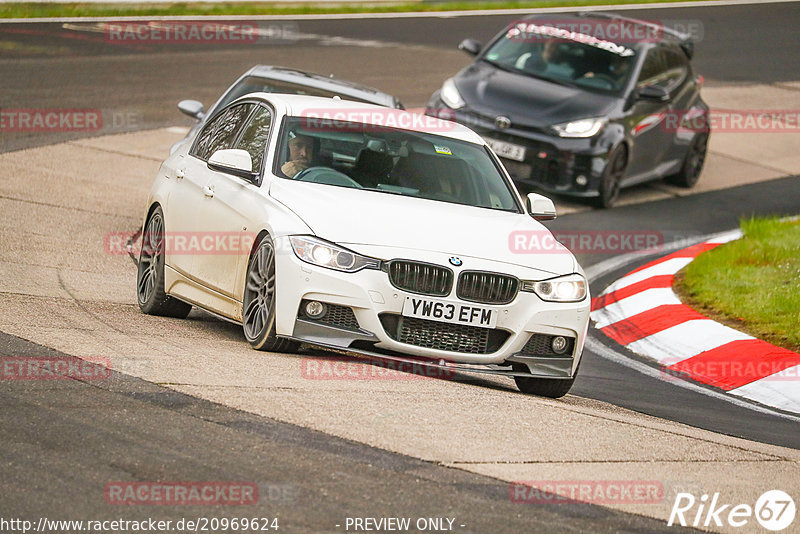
261 235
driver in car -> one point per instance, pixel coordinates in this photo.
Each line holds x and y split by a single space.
301 154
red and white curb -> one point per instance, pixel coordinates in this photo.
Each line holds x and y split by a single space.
641 312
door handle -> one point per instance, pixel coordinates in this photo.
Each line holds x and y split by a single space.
180 173
208 191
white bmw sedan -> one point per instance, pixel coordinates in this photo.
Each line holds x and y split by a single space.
367 230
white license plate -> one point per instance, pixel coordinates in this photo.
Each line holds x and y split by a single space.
449 312
507 150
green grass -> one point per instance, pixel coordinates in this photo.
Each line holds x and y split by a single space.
753 283
77 9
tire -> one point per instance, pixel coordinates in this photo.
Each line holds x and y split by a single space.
553 388
150 273
612 175
692 163
258 306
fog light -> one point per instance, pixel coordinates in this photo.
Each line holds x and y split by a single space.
581 180
559 344
315 309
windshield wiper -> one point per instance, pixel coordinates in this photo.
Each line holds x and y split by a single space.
552 80
500 66
528 73
380 190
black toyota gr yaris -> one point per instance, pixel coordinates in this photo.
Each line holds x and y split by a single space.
584 105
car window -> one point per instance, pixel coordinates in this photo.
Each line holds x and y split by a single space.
653 68
677 67
221 131
665 68
255 135
394 161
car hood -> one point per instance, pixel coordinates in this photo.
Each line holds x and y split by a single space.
527 101
353 217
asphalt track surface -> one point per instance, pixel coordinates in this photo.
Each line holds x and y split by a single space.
77 436
58 450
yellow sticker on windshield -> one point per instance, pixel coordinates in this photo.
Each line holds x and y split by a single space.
442 150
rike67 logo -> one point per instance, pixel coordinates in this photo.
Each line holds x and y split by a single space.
774 510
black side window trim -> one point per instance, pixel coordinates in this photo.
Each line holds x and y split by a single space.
682 63
193 149
651 54
258 104
667 52
240 131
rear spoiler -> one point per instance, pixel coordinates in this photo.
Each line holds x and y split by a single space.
686 43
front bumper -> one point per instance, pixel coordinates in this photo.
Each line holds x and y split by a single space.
368 317
570 166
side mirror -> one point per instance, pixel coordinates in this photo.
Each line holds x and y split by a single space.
193 108
540 207
652 92
233 161
470 46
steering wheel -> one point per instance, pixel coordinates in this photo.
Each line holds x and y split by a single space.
326 175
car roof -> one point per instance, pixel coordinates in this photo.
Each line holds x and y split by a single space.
346 110
326 83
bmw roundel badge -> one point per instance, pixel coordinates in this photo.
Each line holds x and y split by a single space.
456 261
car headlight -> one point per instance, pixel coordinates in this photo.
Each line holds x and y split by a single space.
580 128
569 288
450 95
324 254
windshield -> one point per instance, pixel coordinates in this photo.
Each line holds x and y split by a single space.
568 58
392 161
